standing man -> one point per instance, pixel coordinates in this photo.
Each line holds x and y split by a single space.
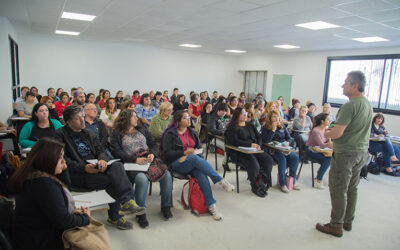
350 152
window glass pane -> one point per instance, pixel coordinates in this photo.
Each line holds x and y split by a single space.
394 89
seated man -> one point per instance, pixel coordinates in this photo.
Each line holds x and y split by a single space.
95 125
82 145
217 125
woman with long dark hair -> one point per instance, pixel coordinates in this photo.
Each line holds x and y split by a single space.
178 149
132 143
241 133
44 208
180 104
40 126
317 138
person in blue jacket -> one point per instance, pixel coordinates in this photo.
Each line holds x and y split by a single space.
39 126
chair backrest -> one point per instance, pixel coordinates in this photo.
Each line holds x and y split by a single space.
10 143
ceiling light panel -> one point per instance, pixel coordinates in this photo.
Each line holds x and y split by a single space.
235 51
286 46
318 25
188 45
65 32
370 39
77 16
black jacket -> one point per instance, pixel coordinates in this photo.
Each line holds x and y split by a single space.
74 160
117 148
216 125
42 215
243 136
280 135
172 146
178 106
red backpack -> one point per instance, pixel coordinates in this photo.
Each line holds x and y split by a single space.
195 197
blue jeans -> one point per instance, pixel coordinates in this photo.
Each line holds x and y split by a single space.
387 149
199 169
142 184
292 161
323 160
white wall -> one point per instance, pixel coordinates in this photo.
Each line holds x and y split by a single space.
308 71
63 62
6 29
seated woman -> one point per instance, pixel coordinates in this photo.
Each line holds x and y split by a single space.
39 126
260 109
274 130
161 121
181 104
165 97
44 208
62 103
258 166
105 96
232 105
195 107
317 138
268 108
128 104
301 123
327 109
49 103
25 107
110 113
132 143
157 100
145 110
294 111
251 116
119 98
311 110
390 152
178 146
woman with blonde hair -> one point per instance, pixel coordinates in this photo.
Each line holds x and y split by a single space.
161 121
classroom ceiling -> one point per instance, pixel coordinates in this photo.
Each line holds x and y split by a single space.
251 25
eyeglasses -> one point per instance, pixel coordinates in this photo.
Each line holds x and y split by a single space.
244 113
186 118
92 109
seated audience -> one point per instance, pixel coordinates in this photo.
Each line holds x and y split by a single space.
283 105
25 107
52 93
180 103
145 110
95 125
119 99
82 145
151 94
24 90
274 131
301 123
106 95
228 98
157 100
161 121
294 111
317 138
241 133
100 96
270 107
195 107
40 126
390 152
251 116
327 109
132 143
62 103
91 99
44 208
243 96
58 92
128 104
174 97
49 103
110 113
214 98
311 110
165 96
206 112
136 97
72 97
35 91
232 105
260 110
281 111
178 146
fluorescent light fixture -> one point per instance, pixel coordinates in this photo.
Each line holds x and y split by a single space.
77 16
318 25
235 51
64 32
286 46
370 39
190 45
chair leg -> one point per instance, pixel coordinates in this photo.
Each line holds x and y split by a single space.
150 188
215 144
312 173
207 147
298 174
237 176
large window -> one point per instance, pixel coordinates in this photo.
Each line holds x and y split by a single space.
382 73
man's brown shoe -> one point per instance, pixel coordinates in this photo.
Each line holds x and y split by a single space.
347 226
329 229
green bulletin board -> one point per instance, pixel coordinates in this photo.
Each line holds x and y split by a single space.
282 86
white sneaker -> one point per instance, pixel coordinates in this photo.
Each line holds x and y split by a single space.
226 185
213 210
284 189
296 187
318 185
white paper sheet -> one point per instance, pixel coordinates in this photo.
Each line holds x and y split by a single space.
136 167
92 199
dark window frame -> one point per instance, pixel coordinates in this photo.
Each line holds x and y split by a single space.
362 57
